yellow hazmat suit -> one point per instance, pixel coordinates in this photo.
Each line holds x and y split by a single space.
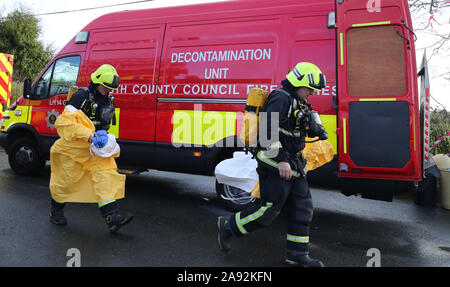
76 175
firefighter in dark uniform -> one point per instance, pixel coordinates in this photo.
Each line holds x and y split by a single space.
282 168
96 103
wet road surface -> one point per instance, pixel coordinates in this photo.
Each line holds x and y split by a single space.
175 225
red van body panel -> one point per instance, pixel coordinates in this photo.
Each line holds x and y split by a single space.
194 62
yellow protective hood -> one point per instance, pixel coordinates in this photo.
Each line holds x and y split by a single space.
76 175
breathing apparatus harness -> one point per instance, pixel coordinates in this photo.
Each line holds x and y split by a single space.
98 117
307 122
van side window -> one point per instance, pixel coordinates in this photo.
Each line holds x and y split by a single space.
65 75
43 84
58 78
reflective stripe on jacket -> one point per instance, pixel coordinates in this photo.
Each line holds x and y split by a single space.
291 140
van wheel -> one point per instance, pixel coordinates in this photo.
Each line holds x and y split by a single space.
233 198
24 157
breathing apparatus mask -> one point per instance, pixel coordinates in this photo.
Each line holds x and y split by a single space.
309 121
316 128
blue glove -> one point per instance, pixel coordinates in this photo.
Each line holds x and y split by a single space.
100 140
101 133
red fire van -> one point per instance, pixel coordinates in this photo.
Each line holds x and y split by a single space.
179 66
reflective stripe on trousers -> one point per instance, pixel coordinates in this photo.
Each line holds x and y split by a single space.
101 204
297 239
277 193
241 222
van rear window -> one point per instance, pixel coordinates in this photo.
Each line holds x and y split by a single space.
376 62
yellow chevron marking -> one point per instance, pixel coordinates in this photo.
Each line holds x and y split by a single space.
6 63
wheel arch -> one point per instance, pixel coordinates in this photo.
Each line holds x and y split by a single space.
225 151
22 130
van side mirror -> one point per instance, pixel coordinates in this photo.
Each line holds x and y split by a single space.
27 88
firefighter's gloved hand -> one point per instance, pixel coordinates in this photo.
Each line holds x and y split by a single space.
100 140
101 133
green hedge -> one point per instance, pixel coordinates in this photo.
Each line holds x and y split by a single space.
16 90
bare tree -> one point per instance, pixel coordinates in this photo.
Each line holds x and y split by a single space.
431 17
431 21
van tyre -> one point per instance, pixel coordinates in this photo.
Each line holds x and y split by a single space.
24 157
234 199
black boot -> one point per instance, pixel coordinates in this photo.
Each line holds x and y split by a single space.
112 217
301 259
115 220
57 213
224 234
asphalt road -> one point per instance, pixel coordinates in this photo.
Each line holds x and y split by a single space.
175 225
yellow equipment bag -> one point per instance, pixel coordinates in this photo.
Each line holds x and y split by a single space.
316 154
255 192
256 99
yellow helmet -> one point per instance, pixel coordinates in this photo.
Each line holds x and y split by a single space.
106 75
308 75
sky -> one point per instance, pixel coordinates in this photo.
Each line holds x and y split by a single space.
58 29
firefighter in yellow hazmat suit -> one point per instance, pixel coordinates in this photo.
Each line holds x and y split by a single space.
76 174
